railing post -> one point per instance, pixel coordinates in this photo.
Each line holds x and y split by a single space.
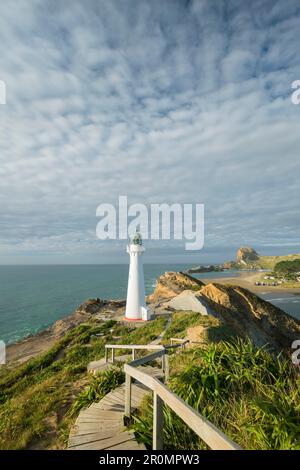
158 419
112 354
133 354
128 381
167 368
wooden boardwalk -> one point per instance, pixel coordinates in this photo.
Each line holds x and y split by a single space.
98 366
101 426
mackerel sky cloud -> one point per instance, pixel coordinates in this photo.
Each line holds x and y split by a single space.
163 101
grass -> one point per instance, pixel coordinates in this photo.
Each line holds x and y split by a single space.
143 334
39 391
243 390
269 262
36 397
99 386
182 321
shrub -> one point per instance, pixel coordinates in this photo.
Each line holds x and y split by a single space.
251 396
99 386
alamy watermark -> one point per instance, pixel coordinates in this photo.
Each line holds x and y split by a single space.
2 353
155 222
296 353
296 94
2 92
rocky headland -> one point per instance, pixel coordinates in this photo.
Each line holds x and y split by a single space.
33 345
246 313
238 308
247 258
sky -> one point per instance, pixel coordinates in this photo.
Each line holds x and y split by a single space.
163 101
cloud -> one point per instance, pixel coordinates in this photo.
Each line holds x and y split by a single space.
163 101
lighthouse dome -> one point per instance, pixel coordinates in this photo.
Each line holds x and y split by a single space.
137 239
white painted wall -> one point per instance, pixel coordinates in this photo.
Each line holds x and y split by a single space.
136 301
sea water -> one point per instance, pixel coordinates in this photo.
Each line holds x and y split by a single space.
34 297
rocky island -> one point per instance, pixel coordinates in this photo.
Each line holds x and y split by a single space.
206 269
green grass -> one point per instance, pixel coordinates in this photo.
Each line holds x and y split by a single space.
269 262
77 354
182 320
99 386
36 397
251 396
41 389
243 390
141 335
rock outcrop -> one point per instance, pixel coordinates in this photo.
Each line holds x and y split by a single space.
40 342
206 269
246 313
246 255
249 315
95 306
171 284
190 300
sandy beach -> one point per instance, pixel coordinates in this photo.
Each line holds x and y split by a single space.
247 280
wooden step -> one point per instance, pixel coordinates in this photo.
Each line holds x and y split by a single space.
101 425
122 440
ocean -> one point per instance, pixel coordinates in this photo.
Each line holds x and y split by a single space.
34 297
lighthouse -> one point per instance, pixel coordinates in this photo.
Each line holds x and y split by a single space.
136 302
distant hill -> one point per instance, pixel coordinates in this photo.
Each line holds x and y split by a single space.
248 258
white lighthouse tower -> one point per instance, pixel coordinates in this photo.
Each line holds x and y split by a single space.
136 302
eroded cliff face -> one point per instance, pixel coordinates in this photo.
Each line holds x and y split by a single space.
171 284
252 316
245 312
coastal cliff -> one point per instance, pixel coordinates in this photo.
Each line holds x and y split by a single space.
172 283
246 313
91 309
248 258
39 395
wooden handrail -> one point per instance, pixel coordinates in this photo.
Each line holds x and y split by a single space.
149 358
207 431
181 343
133 348
178 339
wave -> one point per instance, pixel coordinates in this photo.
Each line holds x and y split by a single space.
282 299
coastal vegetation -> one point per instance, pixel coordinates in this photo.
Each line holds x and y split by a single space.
36 397
244 389
212 329
286 273
290 269
143 334
247 393
99 385
269 262
248 258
